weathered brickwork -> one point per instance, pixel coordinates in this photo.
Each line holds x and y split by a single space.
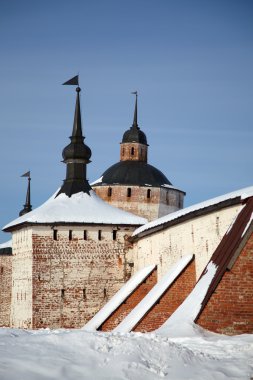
5 293
199 236
131 301
73 279
148 202
230 308
133 152
170 300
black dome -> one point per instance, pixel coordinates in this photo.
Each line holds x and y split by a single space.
77 150
134 173
134 134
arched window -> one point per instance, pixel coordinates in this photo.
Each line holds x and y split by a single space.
148 193
109 192
114 234
55 234
99 234
70 235
132 151
129 191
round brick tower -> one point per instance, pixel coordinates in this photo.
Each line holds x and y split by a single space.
134 185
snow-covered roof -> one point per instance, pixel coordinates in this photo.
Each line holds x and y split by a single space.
153 296
79 208
118 298
242 193
7 244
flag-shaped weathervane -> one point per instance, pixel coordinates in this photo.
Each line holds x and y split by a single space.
27 174
73 81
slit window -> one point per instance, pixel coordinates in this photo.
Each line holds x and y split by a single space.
62 293
129 192
109 192
132 151
55 234
114 234
149 194
84 294
70 235
105 293
99 234
84 235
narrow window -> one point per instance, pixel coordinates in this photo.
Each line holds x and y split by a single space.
149 194
132 151
114 234
84 294
70 234
84 235
167 198
2 270
104 292
55 234
109 192
62 293
129 192
123 152
99 234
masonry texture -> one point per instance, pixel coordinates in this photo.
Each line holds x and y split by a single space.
169 301
131 301
5 293
230 308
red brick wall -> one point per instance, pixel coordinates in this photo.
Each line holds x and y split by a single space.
169 302
230 308
124 309
5 289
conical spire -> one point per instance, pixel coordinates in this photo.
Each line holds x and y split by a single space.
135 123
76 156
27 206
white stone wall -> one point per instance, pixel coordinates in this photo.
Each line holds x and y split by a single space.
21 301
199 236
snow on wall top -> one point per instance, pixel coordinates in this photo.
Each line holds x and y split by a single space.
151 298
7 244
118 298
242 193
79 208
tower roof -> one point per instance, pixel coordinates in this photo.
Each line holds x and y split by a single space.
134 134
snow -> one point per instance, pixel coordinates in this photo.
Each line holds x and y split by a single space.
118 298
186 313
82 355
79 208
7 244
150 299
99 180
248 224
243 193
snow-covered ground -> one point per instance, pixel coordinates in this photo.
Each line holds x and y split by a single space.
78 354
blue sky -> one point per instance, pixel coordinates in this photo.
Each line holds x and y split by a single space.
191 62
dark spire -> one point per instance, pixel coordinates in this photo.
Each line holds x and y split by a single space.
135 123
27 206
76 156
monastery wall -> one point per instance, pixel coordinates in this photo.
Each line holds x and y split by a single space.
199 236
148 202
73 278
21 301
5 293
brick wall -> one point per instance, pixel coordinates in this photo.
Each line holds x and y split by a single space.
5 292
230 308
124 309
73 279
170 300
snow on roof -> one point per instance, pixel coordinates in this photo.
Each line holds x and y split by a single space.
79 208
189 309
152 297
99 180
242 193
7 244
118 298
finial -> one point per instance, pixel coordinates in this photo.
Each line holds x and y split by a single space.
27 206
135 123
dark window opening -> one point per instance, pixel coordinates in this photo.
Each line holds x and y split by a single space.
123 152
55 234
105 293
84 235
109 192
2 270
84 294
129 192
62 293
132 151
114 234
99 234
167 198
70 234
149 194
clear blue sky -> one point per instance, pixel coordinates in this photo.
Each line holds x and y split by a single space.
191 61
